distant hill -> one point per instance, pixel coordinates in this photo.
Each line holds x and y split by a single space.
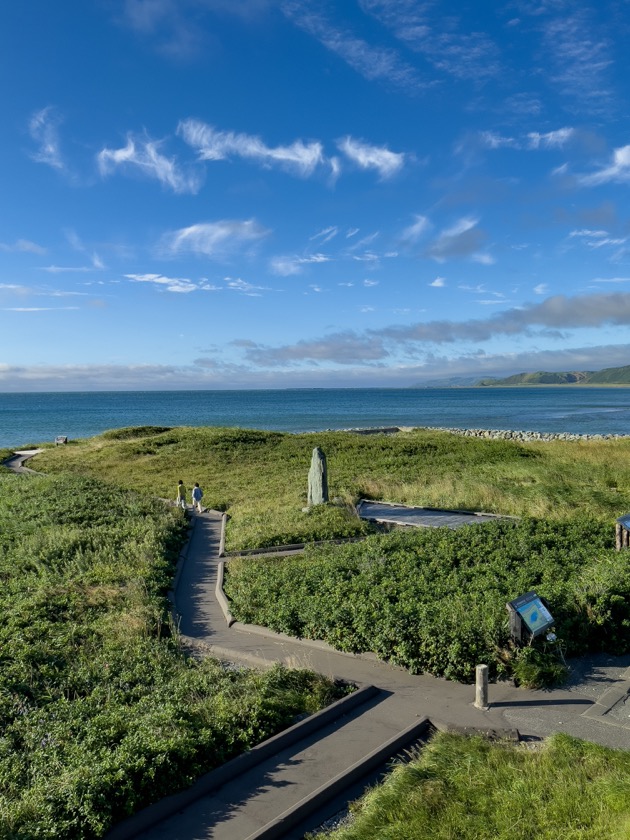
608 376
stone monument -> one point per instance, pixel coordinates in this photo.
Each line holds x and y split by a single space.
317 479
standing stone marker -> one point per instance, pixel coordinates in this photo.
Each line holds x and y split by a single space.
317 479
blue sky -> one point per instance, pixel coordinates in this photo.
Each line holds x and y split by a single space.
297 193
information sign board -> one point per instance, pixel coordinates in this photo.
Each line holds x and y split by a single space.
533 613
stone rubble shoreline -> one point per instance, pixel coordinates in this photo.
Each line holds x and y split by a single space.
493 434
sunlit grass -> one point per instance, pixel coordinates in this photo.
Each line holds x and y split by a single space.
461 788
261 478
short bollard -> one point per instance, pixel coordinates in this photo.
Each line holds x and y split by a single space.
481 687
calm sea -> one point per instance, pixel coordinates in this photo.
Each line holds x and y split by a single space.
35 418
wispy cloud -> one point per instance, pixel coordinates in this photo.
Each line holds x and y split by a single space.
212 239
180 285
298 157
452 48
554 314
23 246
551 139
365 156
39 308
577 53
143 155
438 283
325 235
556 139
43 128
611 280
287 266
342 348
416 230
71 269
244 288
463 239
373 63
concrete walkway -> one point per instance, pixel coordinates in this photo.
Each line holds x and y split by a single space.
266 801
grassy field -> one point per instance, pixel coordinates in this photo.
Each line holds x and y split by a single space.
260 478
461 788
100 712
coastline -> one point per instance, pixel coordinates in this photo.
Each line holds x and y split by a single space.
522 436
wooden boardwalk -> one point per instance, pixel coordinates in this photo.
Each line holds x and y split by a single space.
419 517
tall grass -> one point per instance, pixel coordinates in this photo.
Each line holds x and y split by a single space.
260 478
467 788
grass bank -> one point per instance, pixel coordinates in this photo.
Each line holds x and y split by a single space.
100 712
462 788
260 478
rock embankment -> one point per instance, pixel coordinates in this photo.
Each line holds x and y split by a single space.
523 436
491 434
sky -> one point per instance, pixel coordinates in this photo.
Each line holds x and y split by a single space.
302 193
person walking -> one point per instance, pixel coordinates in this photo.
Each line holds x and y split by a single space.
197 494
181 495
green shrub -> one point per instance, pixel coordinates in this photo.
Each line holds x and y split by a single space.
434 600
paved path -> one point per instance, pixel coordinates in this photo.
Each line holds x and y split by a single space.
592 707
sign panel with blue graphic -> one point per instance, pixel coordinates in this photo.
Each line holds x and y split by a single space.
533 612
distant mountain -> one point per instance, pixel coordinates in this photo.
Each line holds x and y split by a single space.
608 376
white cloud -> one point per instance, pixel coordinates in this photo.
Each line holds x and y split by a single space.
68 269
39 308
618 170
438 283
551 140
143 155
492 140
287 266
386 163
369 283
244 288
541 289
171 284
43 129
302 158
212 239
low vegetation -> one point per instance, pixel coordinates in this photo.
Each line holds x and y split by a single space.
260 478
433 600
100 712
470 788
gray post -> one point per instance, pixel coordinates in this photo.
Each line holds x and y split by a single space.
481 687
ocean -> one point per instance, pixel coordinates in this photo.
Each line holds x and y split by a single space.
39 417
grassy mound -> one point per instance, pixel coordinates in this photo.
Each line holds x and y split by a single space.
260 478
469 788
